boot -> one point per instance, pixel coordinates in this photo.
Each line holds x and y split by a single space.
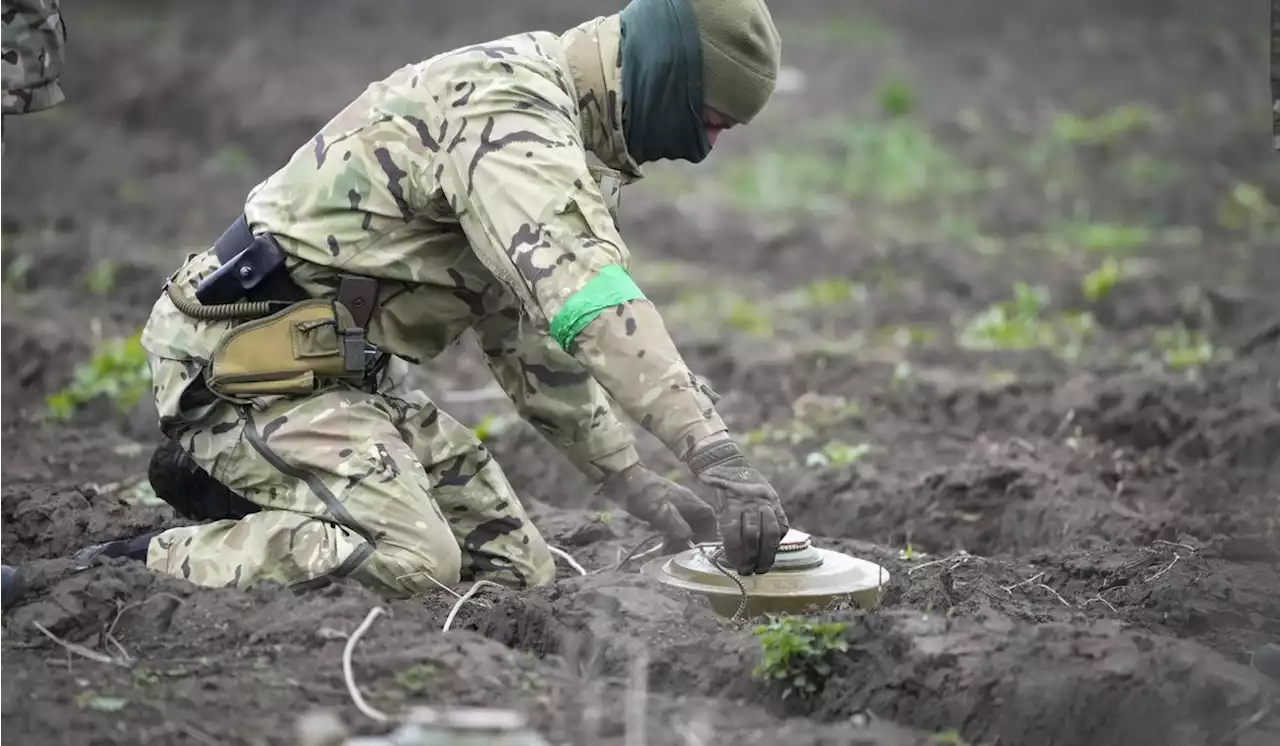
1267 660
11 586
134 548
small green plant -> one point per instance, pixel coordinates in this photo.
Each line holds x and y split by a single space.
748 317
832 292
1107 128
1020 324
418 678
837 453
117 371
1183 349
795 433
1099 283
896 98
796 653
1247 209
101 279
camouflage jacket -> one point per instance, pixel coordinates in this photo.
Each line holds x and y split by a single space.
462 184
32 60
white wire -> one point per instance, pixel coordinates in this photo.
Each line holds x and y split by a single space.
475 588
448 622
361 705
562 554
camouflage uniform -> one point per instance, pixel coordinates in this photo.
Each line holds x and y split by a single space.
461 183
34 48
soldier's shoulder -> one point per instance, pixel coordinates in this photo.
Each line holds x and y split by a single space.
528 53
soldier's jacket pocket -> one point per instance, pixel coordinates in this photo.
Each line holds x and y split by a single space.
287 352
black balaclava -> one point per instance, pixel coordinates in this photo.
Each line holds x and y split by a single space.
662 82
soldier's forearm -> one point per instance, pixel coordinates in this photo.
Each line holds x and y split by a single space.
557 395
629 352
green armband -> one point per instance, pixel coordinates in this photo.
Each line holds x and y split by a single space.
611 287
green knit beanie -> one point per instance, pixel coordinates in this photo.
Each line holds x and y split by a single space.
741 52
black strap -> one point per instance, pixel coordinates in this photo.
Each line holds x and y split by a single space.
233 240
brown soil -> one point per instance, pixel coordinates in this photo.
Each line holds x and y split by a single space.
1099 538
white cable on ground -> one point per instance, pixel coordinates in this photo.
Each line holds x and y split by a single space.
361 705
448 622
562 554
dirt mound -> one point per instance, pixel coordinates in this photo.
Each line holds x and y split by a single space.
45 522
1059 684
1003 497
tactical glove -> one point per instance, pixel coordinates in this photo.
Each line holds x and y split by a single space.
675 511
750 516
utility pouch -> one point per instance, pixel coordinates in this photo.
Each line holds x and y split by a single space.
288 352
253 269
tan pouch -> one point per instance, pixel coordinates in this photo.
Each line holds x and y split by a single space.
288 351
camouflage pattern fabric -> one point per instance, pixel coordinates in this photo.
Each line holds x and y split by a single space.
33 55
461 183
378 485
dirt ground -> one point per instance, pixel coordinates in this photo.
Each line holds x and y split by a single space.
1081 514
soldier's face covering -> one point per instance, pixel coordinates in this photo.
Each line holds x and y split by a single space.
662 82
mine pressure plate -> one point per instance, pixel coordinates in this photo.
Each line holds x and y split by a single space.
803 577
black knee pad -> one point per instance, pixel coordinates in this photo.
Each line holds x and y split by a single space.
179 481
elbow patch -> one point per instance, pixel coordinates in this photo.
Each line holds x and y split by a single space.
611 287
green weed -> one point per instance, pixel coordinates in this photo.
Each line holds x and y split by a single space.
715 309
101 279
1022 324
1107 128
1248 209
896 97
117 371
797 652
1141 172
837 453
1183 349
1099 283
794 433
1106 238
833 292
417 679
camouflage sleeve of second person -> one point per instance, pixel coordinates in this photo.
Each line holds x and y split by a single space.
34 39
523 192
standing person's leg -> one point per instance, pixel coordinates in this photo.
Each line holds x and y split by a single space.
498 541
341 494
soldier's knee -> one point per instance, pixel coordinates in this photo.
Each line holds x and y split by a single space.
542 565
421 572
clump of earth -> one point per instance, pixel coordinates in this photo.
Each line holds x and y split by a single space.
1081 538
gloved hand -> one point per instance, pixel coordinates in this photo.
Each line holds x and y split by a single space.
675 511
750 516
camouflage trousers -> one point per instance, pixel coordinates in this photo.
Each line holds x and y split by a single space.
377 484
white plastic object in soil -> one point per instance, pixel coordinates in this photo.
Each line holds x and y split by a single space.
427 726
803 577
